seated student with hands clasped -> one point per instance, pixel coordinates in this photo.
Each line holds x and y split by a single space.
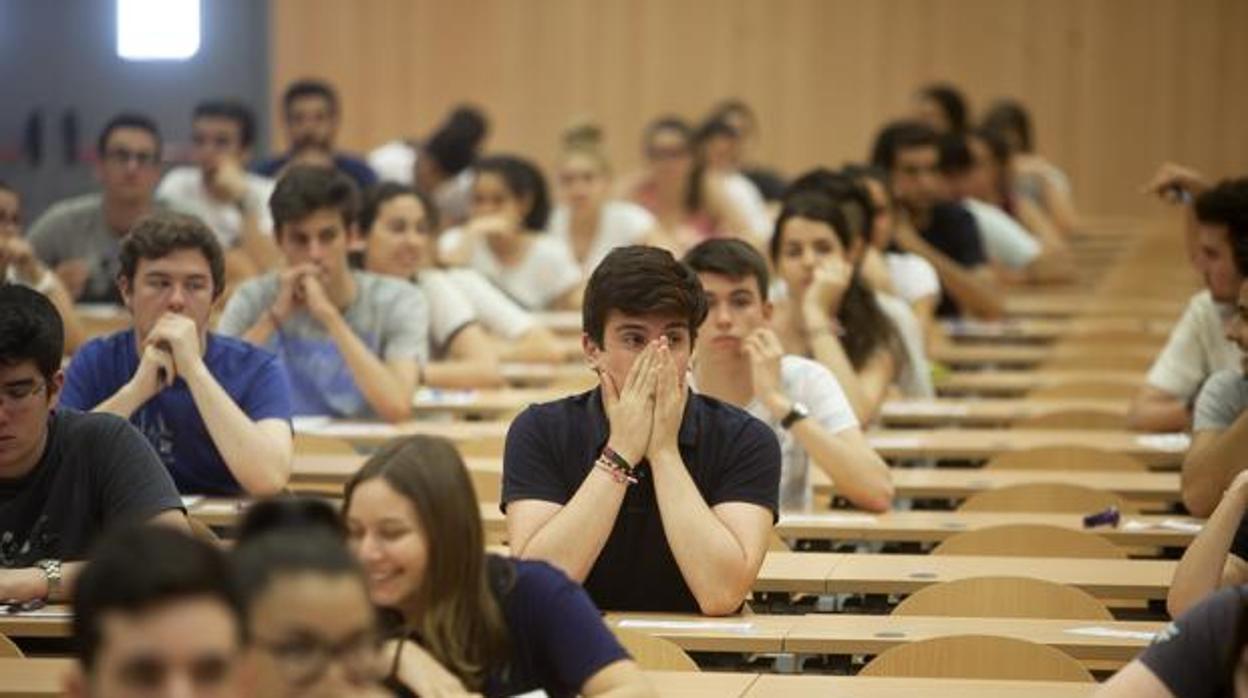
657 498
216 410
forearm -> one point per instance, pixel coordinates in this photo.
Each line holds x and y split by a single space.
1199 572
122 403
1209 468
573 538
29 583
464 374
262 330
1158 414
827 350
75 334
258 461
712 561
972 293
389 394
857 472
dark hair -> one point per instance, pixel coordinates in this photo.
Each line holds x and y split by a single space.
288 551
306 189
851 197
289 512
235 111
729 257
1227 204
668 122
640 280
454 146
897 136
955 153
951 102
1008 116
714 127
30 330
867 328
733 105
139 567
310 87
463 625
160 234
133 120
524 181
377 196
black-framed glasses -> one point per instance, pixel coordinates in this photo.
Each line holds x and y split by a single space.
17 392
125 156
304 660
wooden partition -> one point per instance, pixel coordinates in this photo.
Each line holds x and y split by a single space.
1115 86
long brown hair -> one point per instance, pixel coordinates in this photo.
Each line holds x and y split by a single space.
462 625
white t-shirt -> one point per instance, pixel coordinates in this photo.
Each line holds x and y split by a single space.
812 384
620 223
183 190
913 277
746 197
915 379
1005 241
394 161
449 310
1197 348
547 272
499 314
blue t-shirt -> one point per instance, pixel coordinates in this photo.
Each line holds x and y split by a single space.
251 376
557 638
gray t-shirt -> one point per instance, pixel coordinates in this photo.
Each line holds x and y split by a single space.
96 471
389 315
75 229
1221 401
812 384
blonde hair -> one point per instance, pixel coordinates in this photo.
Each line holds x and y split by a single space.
584 137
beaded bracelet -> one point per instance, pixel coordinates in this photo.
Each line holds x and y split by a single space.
620 475
611 455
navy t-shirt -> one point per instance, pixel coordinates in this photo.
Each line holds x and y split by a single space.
350 165
1192 656
251 376
952 230
731 456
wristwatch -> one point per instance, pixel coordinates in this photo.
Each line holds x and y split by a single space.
796 414
52 573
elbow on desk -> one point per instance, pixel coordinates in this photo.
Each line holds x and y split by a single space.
396 411
1198 497
721 603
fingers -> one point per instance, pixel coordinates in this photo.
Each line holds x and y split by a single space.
640 365
163 364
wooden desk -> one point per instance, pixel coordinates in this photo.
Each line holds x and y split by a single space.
693 633
370 434
1018 382
905 574
935 526
1028 355
982 444
1072 304
225 512
536 375
689 684
1044 330
481 403
984 411
796 573
808 686
560 321
51 621
33 678
959 483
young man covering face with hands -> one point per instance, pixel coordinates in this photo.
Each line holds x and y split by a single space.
657 498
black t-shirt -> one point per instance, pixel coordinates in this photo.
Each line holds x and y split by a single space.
1192 655
1239 546
731 456
96 470
952 230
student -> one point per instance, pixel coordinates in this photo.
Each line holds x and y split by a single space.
217 190
1217 231
942 108
67 476
399 227
352 342
741 118
79 238
440 166
1199 655
970 173
503 627
156 615
311 114
941 232
828 313
656 498
991 151
717 149
216 409
740 361
505 240
588 224
886 267
20 265
314 633
1031 176
688 201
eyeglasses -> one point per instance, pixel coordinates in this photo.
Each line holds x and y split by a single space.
123 157
304 660
14 394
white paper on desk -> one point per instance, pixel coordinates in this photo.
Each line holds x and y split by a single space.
1168 524
686 625
305 423
349 430
46 612
439 396
1096 631
191 500
894 442
828 518
1170 443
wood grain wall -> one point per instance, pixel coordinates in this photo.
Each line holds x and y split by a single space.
1115 86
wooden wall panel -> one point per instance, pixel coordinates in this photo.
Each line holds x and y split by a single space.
1115 86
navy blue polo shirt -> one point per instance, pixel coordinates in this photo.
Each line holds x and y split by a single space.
952 230
731 457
